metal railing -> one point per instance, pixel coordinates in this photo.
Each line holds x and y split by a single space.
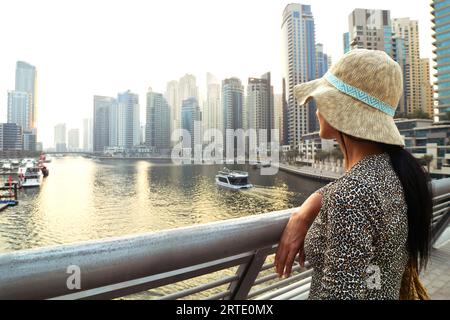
230 259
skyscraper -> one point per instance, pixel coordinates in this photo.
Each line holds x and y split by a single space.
232 103
60 137
441 35
232 108
87 135
298 66
101 122
188 88
370 29
29 140
346 42
174 105
157 128
426 88
408 30
278 116
73 137
113 122
19 108
399 54
374 30
128 119
321 61
190 113
260 105
26 76
212 113
22 104
10 137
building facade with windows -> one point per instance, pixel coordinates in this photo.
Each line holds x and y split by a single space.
128 119
190 121
157 127
260 105
102 130
441 35
73 139
298 66
11 137
60 137
26 81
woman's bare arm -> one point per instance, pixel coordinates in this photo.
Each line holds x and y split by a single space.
294 234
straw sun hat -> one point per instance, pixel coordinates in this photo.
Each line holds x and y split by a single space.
359 95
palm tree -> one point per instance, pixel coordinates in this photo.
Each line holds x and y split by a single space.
290 155
418 114
426 160
445 117
321 155
337 154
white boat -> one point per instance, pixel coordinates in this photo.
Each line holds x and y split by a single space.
7 166
27 162
30 176
235 180
261 164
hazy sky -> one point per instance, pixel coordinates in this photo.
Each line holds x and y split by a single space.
82 48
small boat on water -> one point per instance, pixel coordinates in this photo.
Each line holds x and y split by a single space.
30 176
235 180
261 164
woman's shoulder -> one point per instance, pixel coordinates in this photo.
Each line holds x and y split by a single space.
353 191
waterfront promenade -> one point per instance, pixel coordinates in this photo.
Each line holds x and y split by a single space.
437 276
309 172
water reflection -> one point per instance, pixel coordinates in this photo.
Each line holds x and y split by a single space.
83 200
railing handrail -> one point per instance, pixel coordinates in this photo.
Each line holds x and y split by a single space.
42 273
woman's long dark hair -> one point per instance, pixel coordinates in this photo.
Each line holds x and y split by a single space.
416 184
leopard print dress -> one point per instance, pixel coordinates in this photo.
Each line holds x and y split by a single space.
357 245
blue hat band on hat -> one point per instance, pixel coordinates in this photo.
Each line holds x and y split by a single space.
359 94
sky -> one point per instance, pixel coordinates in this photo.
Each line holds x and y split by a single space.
83 48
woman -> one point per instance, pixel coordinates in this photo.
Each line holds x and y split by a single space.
367 233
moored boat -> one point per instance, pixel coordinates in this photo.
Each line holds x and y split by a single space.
29 176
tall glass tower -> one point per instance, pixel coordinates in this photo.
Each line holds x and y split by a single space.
157 127
441 28
102 123
128 119
298 66
26 82
233 108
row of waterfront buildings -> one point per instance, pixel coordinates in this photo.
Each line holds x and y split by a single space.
227 106
399 37
232 104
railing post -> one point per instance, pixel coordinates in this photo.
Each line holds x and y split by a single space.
247 274
440 227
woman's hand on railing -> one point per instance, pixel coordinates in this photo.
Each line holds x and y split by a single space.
294 234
